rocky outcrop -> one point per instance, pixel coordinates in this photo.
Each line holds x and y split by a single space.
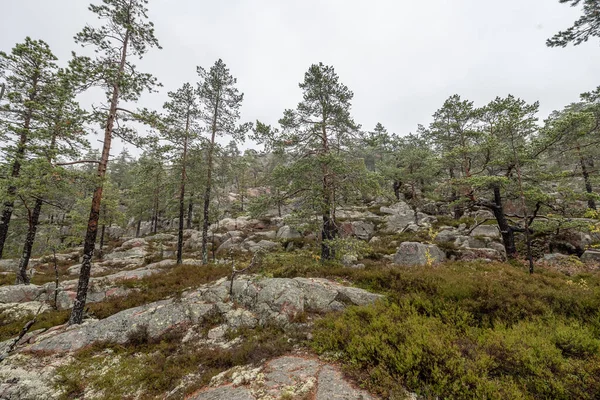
286 232
18 299
263 301
398 217
414 253
292 377
131 249
591 257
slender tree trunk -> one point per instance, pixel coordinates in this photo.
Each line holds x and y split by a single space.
586 178
458 210
138 227
182 193
329 229
22 277
508 235
190 212
92 227
205 210
101 248
155 216
34 221
9 204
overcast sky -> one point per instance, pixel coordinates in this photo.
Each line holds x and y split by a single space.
402 59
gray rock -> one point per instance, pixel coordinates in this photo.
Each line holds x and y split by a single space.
156 318
9 265
162 237
363 230
259 301
490 231
349 260
333 386
413 253
217 333
96 269
447 235
22 293
240 318
232 234
286 372
264 245
591 256
286 232
228 392
233 244
131 243
468 253
136 252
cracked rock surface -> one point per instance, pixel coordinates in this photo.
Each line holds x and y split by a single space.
284 377
254 301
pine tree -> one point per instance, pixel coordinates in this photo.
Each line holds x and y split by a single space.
28 69
317 135
220 104
127 33
61 132
183 111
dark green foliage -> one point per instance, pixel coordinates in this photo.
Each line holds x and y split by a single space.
586 27
471 331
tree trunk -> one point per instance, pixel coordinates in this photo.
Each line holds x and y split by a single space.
586 178
182 194
92 227
206 207
101 248
329 229
508 235
397 186
138 227
22 277
190 212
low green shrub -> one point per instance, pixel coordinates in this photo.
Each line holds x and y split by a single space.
439 354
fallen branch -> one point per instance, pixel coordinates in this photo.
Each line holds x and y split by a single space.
24 331
479 224
77 162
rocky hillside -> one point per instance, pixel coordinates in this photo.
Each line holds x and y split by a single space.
288 327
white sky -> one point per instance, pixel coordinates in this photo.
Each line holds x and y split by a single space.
401 58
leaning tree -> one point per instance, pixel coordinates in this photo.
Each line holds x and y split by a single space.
126 33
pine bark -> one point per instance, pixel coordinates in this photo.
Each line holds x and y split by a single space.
92 227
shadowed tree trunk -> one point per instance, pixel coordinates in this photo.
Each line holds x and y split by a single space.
507 232
586 177
190 212
182 193
33 217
